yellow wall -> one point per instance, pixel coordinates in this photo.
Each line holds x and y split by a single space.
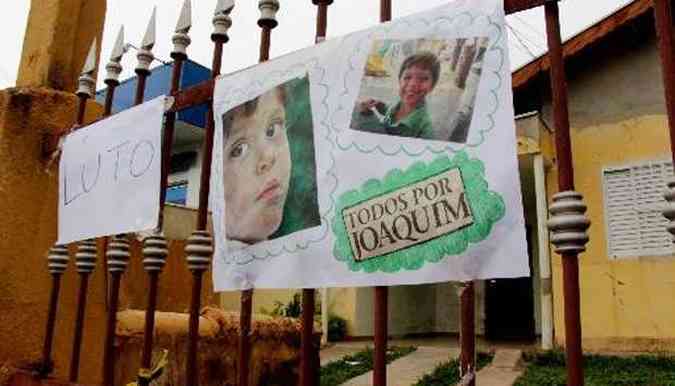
618 118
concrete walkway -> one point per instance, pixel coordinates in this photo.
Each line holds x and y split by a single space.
409 369
504 369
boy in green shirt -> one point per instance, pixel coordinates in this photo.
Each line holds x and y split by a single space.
409 116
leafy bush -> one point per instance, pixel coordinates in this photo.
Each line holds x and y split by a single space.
337 328
291 310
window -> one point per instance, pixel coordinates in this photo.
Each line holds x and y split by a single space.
633 204
177 193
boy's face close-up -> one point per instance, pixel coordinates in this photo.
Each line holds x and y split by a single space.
414 84
256 171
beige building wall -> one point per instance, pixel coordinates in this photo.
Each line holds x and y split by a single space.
618 118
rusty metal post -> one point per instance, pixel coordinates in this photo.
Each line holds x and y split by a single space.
267 22
85 258
199 248
85 261
308 371
155 247
381 292
57 262
181 40
381 335
467 334
664 29
117 250
309 352
155 251
118 258
568 223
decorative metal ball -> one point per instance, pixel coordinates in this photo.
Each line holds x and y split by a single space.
85 258
145 58
86 85
221 24
181 41
568 222
57 259
118 253
199 250
155 251
268 13
113 71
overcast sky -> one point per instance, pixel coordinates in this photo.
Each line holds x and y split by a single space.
296 28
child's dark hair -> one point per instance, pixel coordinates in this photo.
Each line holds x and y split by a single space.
249 108
426 60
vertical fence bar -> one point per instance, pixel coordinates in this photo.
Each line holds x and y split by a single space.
568 223
199 246
181 40
381 335
118 258
467 334
57 262
664 28
381 292
267 22
309 352
155 248
117 251
85 258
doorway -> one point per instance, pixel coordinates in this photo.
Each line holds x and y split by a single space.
509 305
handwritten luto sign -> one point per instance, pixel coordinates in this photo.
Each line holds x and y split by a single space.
109 175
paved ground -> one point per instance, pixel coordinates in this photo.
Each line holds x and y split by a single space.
504 369
407 370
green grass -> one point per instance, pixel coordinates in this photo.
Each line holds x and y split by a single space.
448 373
548 368
335 373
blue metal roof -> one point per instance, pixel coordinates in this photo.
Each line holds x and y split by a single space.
159 83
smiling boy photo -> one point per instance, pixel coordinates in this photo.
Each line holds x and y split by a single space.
268 166
418 88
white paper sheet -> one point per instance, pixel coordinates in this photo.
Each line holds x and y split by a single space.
384 157
109 175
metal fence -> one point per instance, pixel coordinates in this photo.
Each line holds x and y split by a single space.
568 222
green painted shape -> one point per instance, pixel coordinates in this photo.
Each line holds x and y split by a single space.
486 206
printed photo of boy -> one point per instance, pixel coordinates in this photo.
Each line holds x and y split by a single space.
420 88
269 172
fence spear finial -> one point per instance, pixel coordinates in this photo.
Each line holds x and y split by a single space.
181 39
87 82
145 56
222 20
114 68
224 6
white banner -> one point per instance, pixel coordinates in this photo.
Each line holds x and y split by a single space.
384 157
109 175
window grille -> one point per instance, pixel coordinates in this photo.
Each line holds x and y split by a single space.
633 203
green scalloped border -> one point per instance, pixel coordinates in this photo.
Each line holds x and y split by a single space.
486 206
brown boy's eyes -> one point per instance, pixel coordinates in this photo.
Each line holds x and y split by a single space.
238 150
273 129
